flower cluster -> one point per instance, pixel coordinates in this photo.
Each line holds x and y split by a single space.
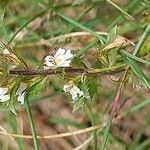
62 58
20 93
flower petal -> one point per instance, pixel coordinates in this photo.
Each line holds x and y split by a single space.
21 98
6 52
73 90
73 94
67 87
68 55
49 64
4 98
59 52
46 68
3 91
81 93
65 63
49 58
21 88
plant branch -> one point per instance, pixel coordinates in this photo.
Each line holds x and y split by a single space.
29 72
116 101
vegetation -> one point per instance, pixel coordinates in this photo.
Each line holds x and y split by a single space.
75 74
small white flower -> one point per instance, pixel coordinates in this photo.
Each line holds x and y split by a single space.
21 92
73 90
6 52
3 95
62 58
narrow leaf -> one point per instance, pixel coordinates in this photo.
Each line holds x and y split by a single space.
138 71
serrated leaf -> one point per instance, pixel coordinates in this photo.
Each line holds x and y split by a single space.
76 62
92 84
113 56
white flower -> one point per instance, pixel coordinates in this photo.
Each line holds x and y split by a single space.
62 58
3 95
73 90
6 52
21 92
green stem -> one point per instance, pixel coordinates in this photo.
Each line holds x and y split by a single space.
142 39
31 72
35 141
111 69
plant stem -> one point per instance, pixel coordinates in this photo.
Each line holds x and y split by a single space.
28 109
108 70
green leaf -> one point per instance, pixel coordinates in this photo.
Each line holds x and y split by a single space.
36 87
77 62
103 58
145 49
79 103
135 57
92 84
113 56
112 34
138 72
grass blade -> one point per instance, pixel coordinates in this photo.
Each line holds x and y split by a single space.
135 58
121 10
142 39
32 125
22 27
106 134
138 71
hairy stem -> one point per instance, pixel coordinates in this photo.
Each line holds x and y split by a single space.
28 72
